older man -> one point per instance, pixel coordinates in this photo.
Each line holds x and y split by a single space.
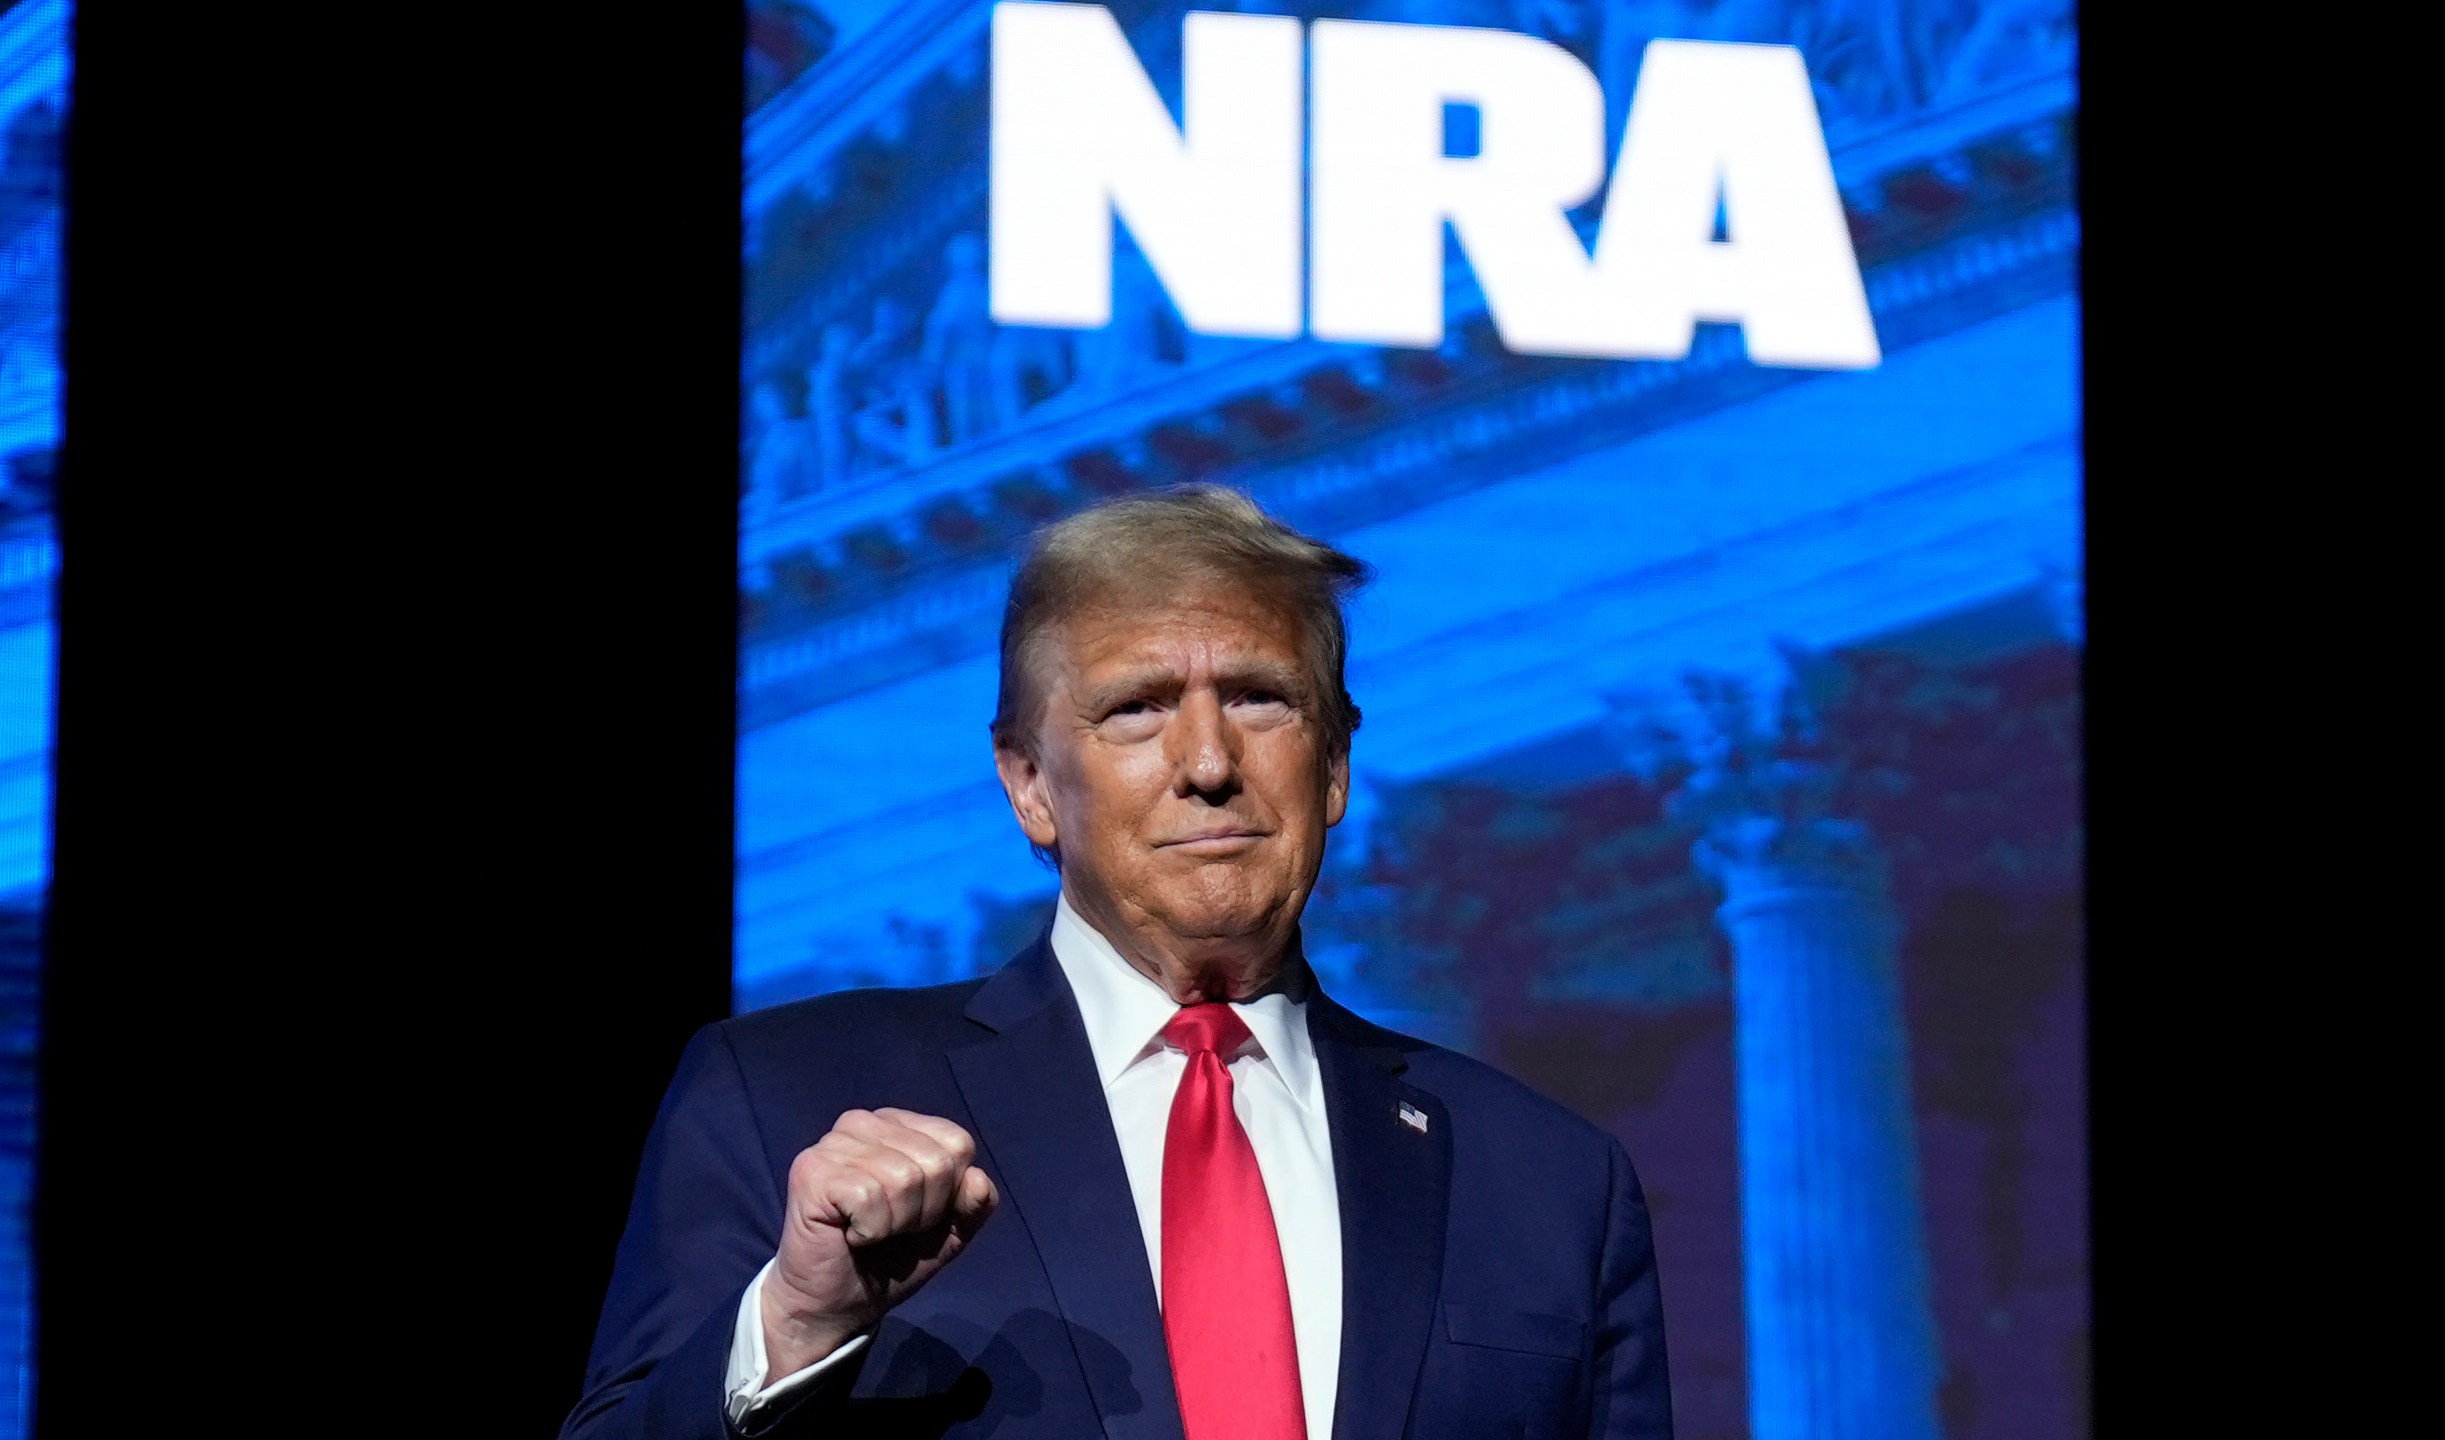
1147 1180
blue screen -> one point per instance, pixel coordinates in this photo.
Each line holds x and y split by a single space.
33 107
1719 772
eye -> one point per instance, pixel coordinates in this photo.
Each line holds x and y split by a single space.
1140 715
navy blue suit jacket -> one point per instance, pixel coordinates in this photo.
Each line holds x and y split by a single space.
1498 1278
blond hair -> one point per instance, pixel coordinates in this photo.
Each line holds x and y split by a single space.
1155 542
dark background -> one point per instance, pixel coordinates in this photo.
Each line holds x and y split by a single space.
394 795
394 791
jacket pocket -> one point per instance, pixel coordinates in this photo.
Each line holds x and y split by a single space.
1523 1331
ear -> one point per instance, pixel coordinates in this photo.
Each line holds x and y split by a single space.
1336 789
1031 800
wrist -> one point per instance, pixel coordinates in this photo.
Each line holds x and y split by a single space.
794 1337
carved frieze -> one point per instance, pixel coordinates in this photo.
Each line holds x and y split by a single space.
1328 457
896 440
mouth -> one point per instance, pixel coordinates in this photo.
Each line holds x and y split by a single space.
1224 840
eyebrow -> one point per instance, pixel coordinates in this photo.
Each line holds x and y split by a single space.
1263 674
1161 680
1133 684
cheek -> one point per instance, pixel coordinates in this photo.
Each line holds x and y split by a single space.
1108 792
1282 766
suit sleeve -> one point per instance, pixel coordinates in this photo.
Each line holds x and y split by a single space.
1633 1393
705 1217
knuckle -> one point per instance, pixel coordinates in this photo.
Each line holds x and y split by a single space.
901 1172
945 1133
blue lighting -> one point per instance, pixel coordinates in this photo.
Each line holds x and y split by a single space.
33 112
1578 562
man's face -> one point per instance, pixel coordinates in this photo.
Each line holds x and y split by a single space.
1181 769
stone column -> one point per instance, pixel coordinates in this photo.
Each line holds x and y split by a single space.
1842 1339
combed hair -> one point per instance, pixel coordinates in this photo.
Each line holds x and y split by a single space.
1147 546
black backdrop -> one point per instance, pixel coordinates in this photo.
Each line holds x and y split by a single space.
394 794
393 808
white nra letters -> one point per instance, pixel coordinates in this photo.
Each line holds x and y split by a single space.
1079 134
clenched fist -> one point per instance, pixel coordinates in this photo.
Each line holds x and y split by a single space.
875 1208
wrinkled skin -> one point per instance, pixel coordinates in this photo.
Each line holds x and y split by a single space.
1180 770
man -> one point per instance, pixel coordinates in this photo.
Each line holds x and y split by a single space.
1147 1180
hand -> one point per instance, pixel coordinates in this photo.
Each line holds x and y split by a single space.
875 1209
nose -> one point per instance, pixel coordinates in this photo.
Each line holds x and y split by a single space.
1205 755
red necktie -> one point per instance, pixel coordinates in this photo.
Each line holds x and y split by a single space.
1226 1305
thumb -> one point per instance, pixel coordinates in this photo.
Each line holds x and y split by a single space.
975 1201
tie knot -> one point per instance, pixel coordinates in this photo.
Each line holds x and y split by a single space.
1212 1026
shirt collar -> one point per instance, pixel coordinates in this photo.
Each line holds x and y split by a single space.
1125 1012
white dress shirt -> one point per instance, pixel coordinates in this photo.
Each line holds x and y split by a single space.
1278 1094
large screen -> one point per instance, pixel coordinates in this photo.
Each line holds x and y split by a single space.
1701 381
33 109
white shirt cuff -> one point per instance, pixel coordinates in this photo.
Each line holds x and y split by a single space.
744 1392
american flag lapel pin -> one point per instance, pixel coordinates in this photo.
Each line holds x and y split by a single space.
1413 1117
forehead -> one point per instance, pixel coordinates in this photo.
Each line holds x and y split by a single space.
1207 624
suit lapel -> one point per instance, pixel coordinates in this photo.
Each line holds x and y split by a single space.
1394 1184
1046 1133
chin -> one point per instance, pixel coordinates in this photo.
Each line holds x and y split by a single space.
1212 917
